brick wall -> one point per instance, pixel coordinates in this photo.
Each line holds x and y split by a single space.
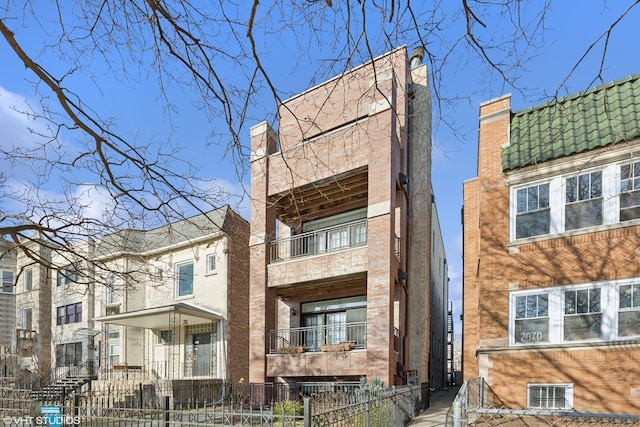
354 121
605 376
237 230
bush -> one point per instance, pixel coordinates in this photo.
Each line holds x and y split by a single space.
289 408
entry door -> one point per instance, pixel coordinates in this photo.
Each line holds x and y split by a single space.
201 354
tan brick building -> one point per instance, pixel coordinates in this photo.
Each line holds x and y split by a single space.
341 242
552 252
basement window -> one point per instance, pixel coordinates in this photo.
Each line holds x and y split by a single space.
550 396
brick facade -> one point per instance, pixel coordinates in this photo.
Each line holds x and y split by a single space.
340 146
603 373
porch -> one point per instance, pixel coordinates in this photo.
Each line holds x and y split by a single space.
180 341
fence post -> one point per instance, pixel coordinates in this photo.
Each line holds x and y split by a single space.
307 411
76 404
457 413
367 418
166 411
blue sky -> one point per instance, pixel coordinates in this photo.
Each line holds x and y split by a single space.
554 67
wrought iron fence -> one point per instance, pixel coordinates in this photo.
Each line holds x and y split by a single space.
242 404
366 407
477 404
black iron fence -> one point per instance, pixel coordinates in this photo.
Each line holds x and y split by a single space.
214 402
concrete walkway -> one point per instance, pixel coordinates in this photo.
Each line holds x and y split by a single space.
436 413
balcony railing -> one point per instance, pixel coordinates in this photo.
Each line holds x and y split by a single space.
324 240
313 338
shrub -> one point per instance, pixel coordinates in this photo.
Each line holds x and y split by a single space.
288 407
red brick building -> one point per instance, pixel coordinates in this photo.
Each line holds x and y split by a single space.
552 252
341 233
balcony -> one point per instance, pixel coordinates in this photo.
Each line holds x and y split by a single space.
325 240
337 337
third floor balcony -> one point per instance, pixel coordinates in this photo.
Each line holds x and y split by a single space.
321 241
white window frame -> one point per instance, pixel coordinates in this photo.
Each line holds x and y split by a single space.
632 177
28 326
157 276
557 200
568 395
27 280
517 214
609 309
631 309
210 260
177 289
528 337
589 290
7 282
113 291
115 350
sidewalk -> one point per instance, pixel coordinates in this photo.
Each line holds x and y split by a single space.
436 413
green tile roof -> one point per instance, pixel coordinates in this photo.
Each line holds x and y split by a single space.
592 119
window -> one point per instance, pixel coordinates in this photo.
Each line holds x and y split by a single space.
629 310
114 354
27 280
26 319
69 354
164 337
583 201
71 313
550 396
211 263
7 282
609 195
113 348
68 274
533 212
601 311
113 290
582 314
532 318
629 191
184 279
157 274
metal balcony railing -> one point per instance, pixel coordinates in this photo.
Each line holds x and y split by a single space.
314 338
324 240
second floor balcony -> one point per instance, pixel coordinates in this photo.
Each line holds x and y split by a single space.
318 338
337 237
